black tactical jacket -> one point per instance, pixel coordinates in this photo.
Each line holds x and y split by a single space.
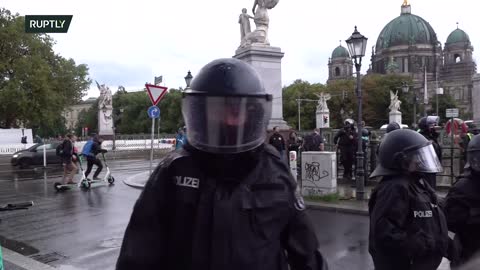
244 214
462 208
408 230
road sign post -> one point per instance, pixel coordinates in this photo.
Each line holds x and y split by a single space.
155 93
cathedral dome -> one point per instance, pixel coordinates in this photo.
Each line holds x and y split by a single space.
340 52
458 35
406 29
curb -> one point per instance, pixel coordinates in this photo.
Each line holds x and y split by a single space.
23 261
336 208
130 180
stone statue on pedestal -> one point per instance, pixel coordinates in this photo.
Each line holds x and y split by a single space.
322 101
261 19
105 110
394 102
323 113
395 115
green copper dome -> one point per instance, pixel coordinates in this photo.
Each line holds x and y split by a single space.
406 29
458 35
340 52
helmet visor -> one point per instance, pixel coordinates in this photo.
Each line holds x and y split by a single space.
226 124
423 160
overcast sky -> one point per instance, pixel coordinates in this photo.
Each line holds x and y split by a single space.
127 42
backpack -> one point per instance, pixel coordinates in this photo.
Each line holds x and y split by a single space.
87 148
59 149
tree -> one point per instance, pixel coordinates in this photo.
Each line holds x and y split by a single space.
343 100
88 118
444 102
36 85
130 112
301 90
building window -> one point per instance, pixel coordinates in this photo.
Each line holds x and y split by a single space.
457 58
337 71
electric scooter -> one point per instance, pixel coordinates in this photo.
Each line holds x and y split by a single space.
108 178
84 183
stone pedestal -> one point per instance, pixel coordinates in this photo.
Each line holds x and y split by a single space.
319 173
323 118
267 61
395 117
105 122
476 97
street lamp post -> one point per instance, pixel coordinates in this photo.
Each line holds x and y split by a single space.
357 44
188 79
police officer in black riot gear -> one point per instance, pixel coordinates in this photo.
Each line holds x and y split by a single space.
346 141
226 200
426 126
462 206
408 230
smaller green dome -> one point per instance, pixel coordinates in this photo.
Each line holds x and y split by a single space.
340 52
458 35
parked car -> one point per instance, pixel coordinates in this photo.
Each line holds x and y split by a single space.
34 155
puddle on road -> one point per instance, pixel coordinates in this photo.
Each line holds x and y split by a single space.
69 267
111 243
17 246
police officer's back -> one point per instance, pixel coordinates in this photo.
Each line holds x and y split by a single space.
407 228
462 206
226 200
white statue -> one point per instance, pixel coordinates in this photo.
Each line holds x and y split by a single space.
394 102
105 110
244 21
261 19
105 99
322 101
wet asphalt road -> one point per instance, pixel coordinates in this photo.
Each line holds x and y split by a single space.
79 229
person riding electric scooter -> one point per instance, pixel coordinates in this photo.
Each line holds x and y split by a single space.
90 151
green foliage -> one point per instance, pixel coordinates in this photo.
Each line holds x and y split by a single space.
376 100
444 102
342 97
130 112
36 85
88 118
330 198
303 90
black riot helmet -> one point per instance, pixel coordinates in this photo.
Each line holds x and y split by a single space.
427 123
392 126
226 110
473 153
406 151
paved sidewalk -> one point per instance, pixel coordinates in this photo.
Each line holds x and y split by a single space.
16 261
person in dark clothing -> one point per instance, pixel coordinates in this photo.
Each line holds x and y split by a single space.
277 141
408 230
313 142
462 207
222 202
426 127
92 158
293 142
346 141
68 159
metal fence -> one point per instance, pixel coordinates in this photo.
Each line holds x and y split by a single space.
451 155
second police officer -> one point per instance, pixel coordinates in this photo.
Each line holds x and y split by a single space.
462 206
407 228
226 200
426 126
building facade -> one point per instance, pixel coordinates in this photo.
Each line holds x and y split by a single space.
73 113
408 45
